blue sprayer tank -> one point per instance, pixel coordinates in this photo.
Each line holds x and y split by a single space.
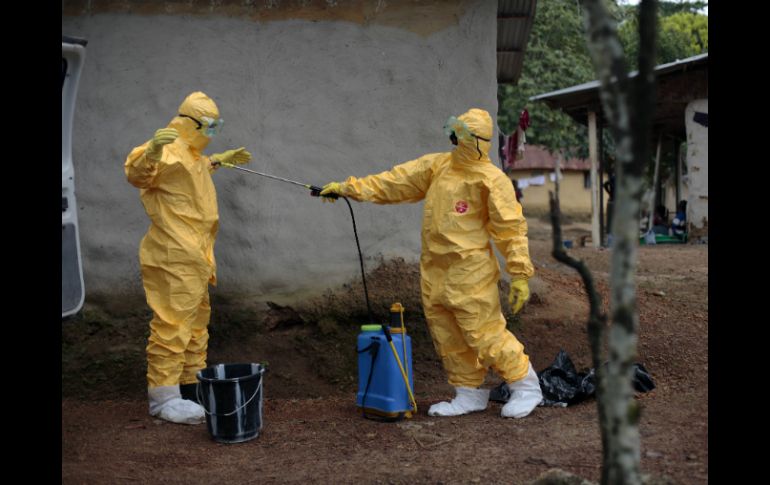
382 392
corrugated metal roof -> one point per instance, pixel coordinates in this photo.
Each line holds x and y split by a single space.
594 85
678 83
514 24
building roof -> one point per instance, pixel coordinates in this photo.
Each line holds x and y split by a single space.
678 83
514 24
537 157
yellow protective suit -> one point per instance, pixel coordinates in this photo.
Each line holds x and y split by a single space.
467 201
177 253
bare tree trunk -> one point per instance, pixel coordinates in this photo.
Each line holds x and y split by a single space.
629 109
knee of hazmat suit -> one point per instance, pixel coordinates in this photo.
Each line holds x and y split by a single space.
177 252
468 201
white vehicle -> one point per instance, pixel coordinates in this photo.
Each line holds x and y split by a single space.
73 52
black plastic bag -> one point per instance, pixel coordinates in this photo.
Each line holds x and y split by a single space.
642 379
563 385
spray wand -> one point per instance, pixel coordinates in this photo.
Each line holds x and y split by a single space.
315 191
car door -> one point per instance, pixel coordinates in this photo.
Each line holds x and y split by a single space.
73 53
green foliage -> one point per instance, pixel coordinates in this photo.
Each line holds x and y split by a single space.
692 25
670 8
680 35
556 58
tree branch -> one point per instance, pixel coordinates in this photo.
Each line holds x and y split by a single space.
597 319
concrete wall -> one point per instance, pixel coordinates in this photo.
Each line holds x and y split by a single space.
697 179
315 94
574 197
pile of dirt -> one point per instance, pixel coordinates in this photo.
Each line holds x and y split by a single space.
309 349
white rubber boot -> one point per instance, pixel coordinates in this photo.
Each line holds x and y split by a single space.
166 403
525 396
467 401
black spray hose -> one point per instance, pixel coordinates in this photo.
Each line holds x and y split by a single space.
361 261
316 192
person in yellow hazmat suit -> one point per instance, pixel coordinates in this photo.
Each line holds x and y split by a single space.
468 201
177 253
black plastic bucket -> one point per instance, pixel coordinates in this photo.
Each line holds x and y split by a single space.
231 395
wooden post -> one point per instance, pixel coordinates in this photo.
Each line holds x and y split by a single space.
592 142
602 168
678 144
654 184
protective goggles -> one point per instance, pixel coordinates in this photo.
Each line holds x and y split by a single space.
209 126
459 128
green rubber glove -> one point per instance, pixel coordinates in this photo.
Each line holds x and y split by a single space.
164 136
519 295
231 158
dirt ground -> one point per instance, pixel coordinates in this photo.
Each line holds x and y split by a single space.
312 431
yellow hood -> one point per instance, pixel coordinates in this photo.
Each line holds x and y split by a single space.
480 124
196 105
